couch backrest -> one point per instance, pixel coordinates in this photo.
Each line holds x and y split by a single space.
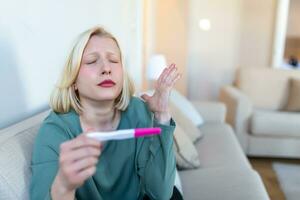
16 144
266 87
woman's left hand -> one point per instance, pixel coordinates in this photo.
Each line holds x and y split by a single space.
159 102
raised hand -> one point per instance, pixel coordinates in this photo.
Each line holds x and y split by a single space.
159 101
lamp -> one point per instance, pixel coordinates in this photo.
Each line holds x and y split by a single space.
204 24
157 63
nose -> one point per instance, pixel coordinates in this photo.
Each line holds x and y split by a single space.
106 72
106 69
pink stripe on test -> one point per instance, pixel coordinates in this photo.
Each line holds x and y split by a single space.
140 132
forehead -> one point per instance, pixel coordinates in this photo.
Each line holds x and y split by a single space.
101 44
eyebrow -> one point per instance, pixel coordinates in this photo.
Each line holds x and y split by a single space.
109 52
114 53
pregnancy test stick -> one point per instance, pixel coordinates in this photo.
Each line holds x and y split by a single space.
124 134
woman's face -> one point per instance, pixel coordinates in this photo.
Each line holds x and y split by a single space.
100 76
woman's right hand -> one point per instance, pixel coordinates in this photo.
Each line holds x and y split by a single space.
77 162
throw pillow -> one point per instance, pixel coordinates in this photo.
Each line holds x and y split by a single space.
186 107
186 154
294 96
192 131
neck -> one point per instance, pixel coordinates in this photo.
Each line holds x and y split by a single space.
98 117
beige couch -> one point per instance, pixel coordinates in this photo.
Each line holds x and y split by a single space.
225 172
256 110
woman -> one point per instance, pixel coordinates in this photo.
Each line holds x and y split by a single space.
96 94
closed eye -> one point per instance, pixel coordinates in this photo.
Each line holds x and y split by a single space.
114 61
91 62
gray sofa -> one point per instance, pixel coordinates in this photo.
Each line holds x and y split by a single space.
225 172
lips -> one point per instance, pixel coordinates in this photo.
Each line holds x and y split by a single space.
107 83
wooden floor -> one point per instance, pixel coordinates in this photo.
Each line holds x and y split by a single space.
264 167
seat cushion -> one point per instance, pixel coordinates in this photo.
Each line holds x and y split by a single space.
222 183
275 123
219 147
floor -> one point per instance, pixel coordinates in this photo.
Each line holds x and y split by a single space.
268 175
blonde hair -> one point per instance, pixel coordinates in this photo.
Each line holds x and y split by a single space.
64 97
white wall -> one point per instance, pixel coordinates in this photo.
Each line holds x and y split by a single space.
212 55
293 20
241 35
257 32
35 37
280 26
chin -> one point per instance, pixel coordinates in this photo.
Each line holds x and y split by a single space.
108 96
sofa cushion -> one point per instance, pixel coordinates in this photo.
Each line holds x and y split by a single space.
189 128
211 111
232 183
267 88
15 157
219 147
186 108
274 123
186 154
16 144
294 96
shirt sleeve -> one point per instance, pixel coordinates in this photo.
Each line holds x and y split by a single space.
156 163
44 163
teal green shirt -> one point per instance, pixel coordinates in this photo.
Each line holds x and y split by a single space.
127 169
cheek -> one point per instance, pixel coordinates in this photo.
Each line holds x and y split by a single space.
120 75
86 73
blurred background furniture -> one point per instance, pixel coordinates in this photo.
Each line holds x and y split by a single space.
263 107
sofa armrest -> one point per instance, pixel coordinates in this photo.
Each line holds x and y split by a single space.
211 111
239 111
